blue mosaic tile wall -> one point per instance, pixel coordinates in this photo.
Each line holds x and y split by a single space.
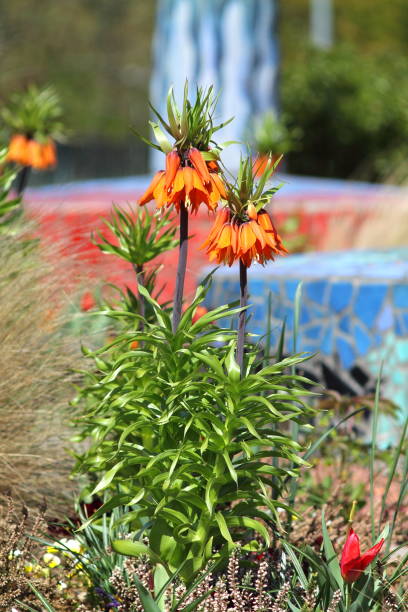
354 310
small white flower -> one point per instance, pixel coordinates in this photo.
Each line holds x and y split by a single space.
72 545
14 553
62 585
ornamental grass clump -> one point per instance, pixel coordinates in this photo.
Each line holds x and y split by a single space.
187 427
35 361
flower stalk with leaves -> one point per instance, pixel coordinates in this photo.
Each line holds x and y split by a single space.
243 231
179 434
139 238
191 174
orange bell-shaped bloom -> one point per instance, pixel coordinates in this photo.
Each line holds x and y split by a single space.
253 240
30 152
18 150
185 180
49 154
35 156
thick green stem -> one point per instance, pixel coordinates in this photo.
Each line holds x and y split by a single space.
140 281
181 268
243 300
347 597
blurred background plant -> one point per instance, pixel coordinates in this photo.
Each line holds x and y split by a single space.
295 240
33 120
46 47
272 136
351 111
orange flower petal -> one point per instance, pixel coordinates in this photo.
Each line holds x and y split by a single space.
199 164
18 149
212 166
259 233
224 239
235 238
217 181
221 219
172 165
251 212
160 192
149 193
34 155
264 220
49 154
197 181
247 237
198 197
178 183
188 175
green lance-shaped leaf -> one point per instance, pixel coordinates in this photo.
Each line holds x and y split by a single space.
332 559
249 523
233 369
173 115
107 478
113 502
223 527
295 560
148 603
163 142
135 549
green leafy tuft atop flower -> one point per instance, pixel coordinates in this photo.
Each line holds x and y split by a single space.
192 126
36 113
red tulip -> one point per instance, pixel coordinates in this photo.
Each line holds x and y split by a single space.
353 563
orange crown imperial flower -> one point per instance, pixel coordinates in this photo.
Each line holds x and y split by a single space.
252 238
30 152
191 176
187 179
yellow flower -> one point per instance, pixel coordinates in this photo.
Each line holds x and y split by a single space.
51 549
51 560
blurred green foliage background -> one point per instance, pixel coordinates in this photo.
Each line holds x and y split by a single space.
98 55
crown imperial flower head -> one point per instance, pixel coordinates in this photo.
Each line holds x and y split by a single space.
191 174
244 230
33 118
